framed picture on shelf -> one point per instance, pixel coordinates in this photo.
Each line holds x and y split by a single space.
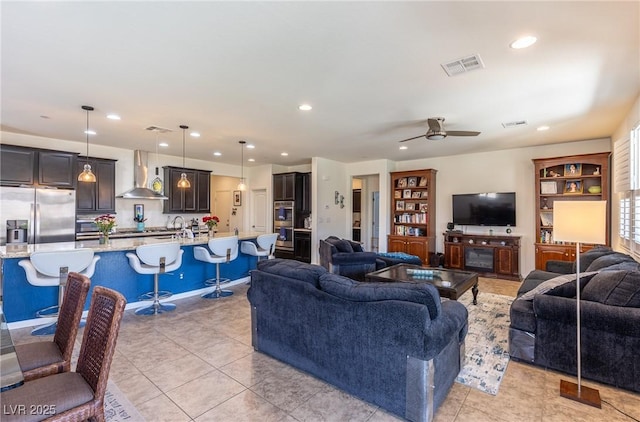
416 194
399 205
548 188
406 193
425 194
423 207
573 187
574 169
423 182
412 182
402 182
397 194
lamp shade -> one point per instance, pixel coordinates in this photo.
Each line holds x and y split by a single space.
580 221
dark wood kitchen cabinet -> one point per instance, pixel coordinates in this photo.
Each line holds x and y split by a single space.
100 196
193 199
284 186
40 167
302 246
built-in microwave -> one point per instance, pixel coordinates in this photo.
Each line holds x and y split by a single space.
283 222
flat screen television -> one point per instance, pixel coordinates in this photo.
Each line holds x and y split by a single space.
485 209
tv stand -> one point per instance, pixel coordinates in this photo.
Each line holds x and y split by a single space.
488 255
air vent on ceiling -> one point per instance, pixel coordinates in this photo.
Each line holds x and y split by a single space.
515 123
463 65
158 129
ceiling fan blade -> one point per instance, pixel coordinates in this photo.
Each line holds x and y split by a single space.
462 133
411 139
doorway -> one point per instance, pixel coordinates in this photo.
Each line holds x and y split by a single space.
259 210
222 208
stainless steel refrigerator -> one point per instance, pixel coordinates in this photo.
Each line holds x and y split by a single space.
50 214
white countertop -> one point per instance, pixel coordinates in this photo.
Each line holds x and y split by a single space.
23 251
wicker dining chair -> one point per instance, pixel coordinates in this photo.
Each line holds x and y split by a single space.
76 395
44 358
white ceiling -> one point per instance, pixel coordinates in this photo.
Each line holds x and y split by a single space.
371 70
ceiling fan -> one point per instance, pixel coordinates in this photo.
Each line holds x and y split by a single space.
437 132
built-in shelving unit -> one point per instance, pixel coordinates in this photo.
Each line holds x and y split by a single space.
413 207
582 177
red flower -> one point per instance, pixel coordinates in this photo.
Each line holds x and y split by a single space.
210 221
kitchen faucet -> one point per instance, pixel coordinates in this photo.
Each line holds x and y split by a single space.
181 224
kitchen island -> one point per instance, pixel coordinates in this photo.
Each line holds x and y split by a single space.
22 300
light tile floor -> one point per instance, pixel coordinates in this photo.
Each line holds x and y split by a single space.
197 364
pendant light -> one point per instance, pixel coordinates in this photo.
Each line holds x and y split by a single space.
183 183
87 175
241 185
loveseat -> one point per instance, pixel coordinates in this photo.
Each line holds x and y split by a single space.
543 318
392 344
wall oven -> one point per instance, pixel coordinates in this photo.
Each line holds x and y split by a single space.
283 222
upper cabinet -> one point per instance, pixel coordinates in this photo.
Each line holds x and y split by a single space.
100 196
284 187
33 166
195 199
572 178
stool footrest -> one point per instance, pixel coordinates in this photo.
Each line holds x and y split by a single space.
50 312
163 294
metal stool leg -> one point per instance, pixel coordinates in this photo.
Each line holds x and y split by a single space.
218 292
52 311
156 307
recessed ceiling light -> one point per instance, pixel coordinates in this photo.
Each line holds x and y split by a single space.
523 42
251 146
217 153
90 132
541 128
304 107
251 160
284 154
163 144
404 147
195 134
113 117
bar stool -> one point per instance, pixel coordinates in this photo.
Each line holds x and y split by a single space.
264 245
223 251
50 269
156 259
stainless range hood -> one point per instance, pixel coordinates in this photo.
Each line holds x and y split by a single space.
140 173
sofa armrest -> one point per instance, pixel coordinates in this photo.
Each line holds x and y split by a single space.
560 267
621 320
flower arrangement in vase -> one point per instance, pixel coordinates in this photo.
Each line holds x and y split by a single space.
105 224
211 222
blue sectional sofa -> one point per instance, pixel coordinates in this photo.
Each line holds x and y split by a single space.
543 318
395 345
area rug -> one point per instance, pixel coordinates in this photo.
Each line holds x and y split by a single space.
487 342
117 407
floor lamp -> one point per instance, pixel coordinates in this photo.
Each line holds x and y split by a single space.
579 222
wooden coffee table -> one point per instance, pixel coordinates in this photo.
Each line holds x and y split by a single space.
450 283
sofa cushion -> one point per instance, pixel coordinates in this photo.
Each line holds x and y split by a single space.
345 288
343 246
616 288
293 269
342 258
586 258
608 260
560 282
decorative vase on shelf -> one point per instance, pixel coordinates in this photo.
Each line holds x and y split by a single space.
140 226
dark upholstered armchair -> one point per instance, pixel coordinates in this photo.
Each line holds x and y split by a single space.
345 257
